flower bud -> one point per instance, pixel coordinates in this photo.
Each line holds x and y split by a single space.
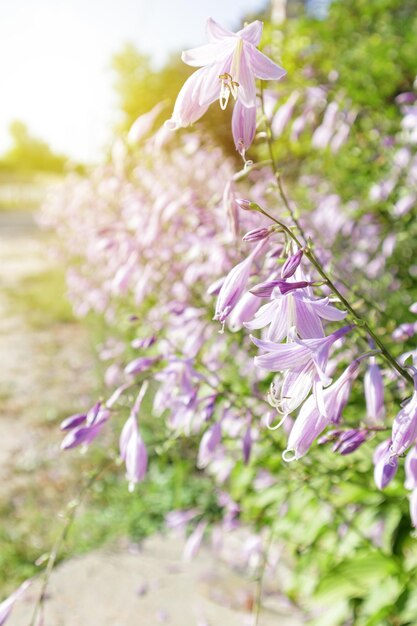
291 264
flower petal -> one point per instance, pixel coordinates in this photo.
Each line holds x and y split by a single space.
262 66
208 54
252 33
215 32
246 80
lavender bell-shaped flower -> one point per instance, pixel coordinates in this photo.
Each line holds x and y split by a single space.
7 605
410 467
194 541
307 427
374 392
385 465
83 429
133 452
243 127
321 409
413 507
404 428
349 441
132 448
208 444
235 284
291 264
229 64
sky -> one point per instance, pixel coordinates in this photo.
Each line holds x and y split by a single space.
55 59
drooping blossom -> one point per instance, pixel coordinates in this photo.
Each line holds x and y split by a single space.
374 392
385 465
208 444
194 541
413 507
291 356
7 605
133 452
132 448
229 64
404 428
84 428
235 284
319 411
410 467
349 441
243 127
295 308
291 264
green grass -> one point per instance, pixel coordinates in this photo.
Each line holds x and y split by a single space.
41 300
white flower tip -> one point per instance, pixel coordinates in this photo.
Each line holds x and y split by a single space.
171 124
290 455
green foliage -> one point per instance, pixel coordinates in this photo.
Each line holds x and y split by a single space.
30 154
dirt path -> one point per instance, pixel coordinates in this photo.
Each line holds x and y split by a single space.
45 372
32 385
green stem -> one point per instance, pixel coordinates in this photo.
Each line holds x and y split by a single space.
69 519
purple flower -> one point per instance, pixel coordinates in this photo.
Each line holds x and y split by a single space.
83 429
247 445
228 65
7 605
322 408
349 441
413 507
257 234
73 421
291 356
208 444
265 290
133 452
385 464
410 467
404 428
235 284
243 127
374 392
243 311
291 264
294 309
179 519
307 427
139 365
194 541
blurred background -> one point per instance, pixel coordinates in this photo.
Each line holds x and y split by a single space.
75 75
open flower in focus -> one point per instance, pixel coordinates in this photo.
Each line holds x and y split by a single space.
229 64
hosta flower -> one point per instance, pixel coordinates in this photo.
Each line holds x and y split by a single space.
295 354
235 284
410 467
321 409
295 308
7 605
228 64
404 428
132 449
84 428
385 464
133 452
243 127
208 444
374 392
413 507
